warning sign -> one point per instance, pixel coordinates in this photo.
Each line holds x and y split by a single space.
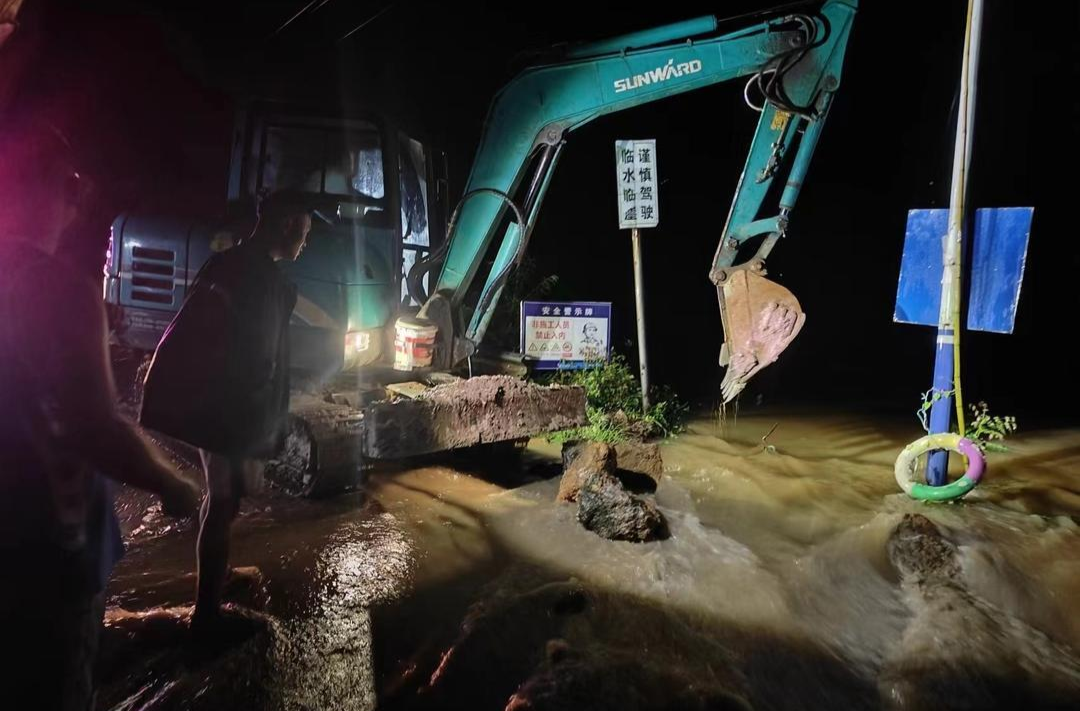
638 181
565 335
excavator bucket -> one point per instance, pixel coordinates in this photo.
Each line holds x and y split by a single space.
761 318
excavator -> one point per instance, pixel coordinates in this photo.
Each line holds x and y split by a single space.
378 258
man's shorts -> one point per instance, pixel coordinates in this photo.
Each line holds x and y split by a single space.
232 477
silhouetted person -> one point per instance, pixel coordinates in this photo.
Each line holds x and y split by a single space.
220 379
60 433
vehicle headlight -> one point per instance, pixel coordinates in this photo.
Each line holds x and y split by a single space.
358 341
362 347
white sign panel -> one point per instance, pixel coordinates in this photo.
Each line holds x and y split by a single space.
639 203
562 335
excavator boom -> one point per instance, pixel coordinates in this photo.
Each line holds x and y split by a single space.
792 64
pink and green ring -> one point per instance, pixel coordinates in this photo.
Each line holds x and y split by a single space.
909 457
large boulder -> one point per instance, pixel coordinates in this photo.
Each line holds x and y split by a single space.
639 465
610 511
579 460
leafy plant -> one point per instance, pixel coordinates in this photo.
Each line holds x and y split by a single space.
984 429
987 430
613 405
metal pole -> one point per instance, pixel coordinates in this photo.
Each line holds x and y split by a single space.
948 318
639 297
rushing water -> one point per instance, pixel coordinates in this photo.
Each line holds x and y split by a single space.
439 588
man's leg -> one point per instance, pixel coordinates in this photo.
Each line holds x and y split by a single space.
215 521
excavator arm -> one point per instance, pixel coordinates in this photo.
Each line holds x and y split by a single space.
792 61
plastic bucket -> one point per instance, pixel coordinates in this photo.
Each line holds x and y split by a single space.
414 341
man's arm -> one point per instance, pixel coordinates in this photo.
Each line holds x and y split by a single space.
92 425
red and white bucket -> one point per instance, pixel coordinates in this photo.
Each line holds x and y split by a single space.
414 341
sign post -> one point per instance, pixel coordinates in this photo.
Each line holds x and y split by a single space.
639 207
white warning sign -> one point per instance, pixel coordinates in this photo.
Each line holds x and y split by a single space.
635 166
561 335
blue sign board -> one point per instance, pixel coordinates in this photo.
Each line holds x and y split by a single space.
565 335
998 257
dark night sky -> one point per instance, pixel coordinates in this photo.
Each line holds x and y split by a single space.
147 92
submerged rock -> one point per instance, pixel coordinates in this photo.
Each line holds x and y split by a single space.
501 642
608 510
960 651
920 553
570 680
594 476
554 646
640 458
637 464
579 460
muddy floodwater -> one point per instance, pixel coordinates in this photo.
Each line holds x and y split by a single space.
785 583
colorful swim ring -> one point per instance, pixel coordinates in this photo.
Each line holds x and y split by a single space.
909 457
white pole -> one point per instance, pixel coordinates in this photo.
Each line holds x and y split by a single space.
639 295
